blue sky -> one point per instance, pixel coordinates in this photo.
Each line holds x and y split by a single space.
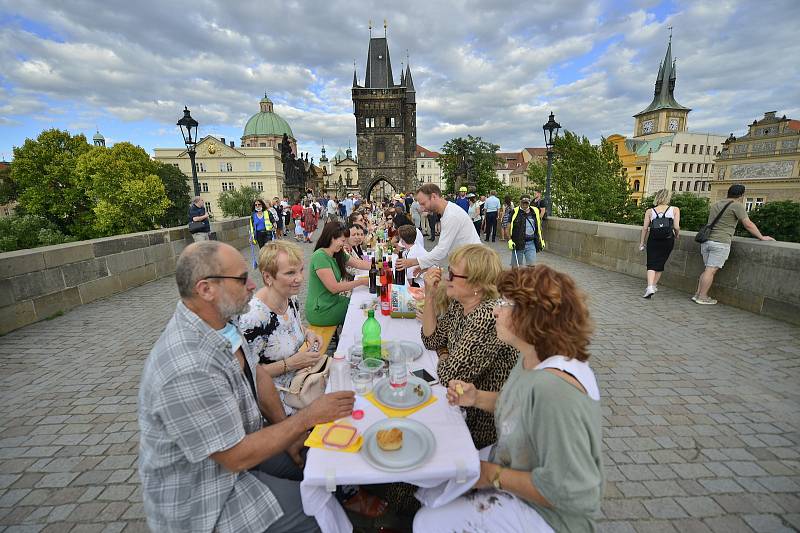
494 69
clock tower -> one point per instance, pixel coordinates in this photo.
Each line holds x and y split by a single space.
664 115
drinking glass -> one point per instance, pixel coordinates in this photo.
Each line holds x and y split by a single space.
362 382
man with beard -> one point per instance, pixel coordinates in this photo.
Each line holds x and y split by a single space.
217 452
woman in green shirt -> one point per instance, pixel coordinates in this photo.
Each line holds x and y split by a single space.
326 303
545 473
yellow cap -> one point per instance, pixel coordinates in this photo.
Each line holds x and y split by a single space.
462 189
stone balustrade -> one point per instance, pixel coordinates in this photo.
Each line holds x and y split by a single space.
39 283
760 276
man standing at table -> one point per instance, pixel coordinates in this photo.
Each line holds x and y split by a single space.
206 459
457 228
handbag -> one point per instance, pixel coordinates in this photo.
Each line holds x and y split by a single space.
307 385
704 233
196 227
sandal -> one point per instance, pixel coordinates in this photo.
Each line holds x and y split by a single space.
366 504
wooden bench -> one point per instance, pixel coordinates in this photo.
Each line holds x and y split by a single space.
326 333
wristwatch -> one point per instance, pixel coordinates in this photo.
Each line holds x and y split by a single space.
496 478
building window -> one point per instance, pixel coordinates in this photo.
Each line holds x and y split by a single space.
673 185
715 150
693 146
262 145
638 168
712 168
675 167
680 185
391 122
701 150
229 167
702 185
200 167
208 206
677 148
175 165
260 186
685 147
691 167
636 185
753 203
254 166
696 183
204 187
708 149
683 167
222 167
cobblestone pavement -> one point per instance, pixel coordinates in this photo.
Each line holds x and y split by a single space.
701 406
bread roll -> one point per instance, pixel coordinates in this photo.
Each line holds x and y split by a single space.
390 439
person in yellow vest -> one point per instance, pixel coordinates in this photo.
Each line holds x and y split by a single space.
261 224
526 233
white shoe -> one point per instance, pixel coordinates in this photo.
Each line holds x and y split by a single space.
655 288
650 291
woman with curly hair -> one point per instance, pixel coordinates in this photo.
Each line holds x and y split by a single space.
545 473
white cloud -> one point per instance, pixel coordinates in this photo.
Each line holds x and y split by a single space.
491 69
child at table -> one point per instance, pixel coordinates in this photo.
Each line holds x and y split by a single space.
411 242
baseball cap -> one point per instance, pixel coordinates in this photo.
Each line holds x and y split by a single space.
462 189
471 195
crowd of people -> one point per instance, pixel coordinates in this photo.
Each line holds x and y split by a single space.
222 433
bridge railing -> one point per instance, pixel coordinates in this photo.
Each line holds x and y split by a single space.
39 283
759 276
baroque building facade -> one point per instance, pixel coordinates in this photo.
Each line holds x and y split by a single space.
428 168
766 160
386 123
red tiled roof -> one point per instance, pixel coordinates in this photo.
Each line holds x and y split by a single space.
428 153
510 160
794 125
538 152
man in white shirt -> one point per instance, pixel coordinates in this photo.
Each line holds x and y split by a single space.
457 228
331 209
492 206
348 205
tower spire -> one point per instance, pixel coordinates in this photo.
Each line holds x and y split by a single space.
663 95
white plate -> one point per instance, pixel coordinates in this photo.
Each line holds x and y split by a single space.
384 393
418 445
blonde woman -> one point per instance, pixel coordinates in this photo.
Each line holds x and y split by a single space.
660 228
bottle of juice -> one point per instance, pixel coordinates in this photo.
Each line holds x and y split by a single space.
371 336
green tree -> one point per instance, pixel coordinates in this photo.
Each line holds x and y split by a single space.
8 189
483 156
238 202
780 220
587 181
127 194
177 188
47 183
28 231
694 209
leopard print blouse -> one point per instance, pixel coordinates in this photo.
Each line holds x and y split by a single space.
476 356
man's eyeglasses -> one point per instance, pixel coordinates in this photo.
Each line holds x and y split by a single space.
450 275
503 302
242 279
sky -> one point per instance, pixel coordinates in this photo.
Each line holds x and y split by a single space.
488 68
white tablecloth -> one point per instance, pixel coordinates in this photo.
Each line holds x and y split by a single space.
451 471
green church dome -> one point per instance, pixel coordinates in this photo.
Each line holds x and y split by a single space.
267 122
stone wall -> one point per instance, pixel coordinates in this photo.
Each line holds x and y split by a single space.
762 277
39 283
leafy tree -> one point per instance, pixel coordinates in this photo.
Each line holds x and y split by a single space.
177 188
238 202
28 231
47 184
8 189
127 194
694 209
483 156
587 181
780 220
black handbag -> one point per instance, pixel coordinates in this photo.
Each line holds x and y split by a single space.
704 233
197 227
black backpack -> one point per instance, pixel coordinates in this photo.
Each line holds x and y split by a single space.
661 226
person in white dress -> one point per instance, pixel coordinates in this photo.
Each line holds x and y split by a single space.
273 326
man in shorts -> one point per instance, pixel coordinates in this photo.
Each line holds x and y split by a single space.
717 248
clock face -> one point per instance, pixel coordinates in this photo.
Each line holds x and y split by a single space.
647 126
673 124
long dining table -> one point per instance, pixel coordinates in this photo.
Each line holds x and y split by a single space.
453 467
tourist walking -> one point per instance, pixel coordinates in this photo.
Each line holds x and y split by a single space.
508 210
310 218
526 233
462 201
545 473
660 228
199 225
491 210
457 229
261 224
474 212
724 215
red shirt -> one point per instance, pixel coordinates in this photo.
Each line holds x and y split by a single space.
297 211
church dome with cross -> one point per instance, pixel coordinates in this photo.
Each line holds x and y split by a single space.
266 128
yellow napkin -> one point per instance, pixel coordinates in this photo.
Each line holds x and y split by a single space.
391 412
314 440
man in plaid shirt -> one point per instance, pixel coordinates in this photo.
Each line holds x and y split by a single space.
208 462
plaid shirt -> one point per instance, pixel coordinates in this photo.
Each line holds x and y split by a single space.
194 401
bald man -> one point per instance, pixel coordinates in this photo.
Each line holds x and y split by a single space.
208 461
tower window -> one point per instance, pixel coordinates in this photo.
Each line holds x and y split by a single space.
685 147
683 167
691 167
673 185
701 149
391 120
693 147
675 167
677 148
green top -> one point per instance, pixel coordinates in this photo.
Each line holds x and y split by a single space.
267 123
723 231
551 429
323 308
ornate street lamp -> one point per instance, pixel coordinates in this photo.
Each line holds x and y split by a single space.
550 135
188 127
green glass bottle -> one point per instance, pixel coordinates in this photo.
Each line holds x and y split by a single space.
371 336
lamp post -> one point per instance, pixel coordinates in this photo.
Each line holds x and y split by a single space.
188 127
550 134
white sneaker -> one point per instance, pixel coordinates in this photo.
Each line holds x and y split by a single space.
694 298
650 291
655 288
705 301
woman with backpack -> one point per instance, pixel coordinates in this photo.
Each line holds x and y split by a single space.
660 227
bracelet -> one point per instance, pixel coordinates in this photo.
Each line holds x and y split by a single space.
285 366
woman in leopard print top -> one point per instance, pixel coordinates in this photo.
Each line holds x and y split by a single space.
465 333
